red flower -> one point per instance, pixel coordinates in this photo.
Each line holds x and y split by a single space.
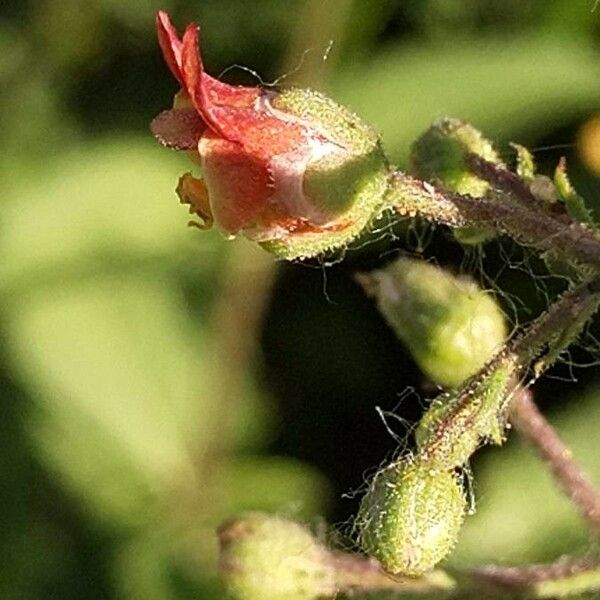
286 169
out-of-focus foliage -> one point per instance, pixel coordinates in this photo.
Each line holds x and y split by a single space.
119 451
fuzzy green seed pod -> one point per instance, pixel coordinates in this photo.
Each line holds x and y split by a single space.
450 325
265 557
438 156
410 517
457 422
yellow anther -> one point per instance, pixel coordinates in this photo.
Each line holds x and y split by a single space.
192 191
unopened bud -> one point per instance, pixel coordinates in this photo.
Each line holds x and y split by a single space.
291 170
450 325
410 517
439 156
265 557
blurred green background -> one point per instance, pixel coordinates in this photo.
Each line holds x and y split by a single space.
156 380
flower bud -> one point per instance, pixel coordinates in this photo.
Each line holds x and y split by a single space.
438 156
265 557
291 170
410 517
449 324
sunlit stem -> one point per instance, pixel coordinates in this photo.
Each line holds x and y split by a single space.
542 341
534 428
566 577
505 212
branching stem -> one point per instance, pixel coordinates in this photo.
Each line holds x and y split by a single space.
564 577
499 210
503 179
518 213
354 573
543 340
533 427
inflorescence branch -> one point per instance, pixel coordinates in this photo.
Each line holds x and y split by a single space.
533 427
301 175
499 210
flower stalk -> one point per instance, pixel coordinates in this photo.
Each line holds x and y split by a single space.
412 512
566 577
575 242
272 558
478 411
533 428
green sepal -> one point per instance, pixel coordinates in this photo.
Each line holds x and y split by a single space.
525 163
574 203
335 183
368 206
349 186
410 517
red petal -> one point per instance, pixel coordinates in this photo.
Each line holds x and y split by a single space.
209 94
170 44
260 133
231 111
239 185
178 128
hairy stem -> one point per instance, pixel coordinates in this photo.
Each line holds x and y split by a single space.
533 427
354 573
525 221
499 210
503 179
565 577
546 334
569 313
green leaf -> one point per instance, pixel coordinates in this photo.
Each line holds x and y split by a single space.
100 207
118 372
496 84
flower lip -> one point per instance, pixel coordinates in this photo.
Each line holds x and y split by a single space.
178 128
170 44
220 105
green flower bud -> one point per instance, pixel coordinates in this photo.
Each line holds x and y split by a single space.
438 156
410 517
450 325
265 557
456 423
